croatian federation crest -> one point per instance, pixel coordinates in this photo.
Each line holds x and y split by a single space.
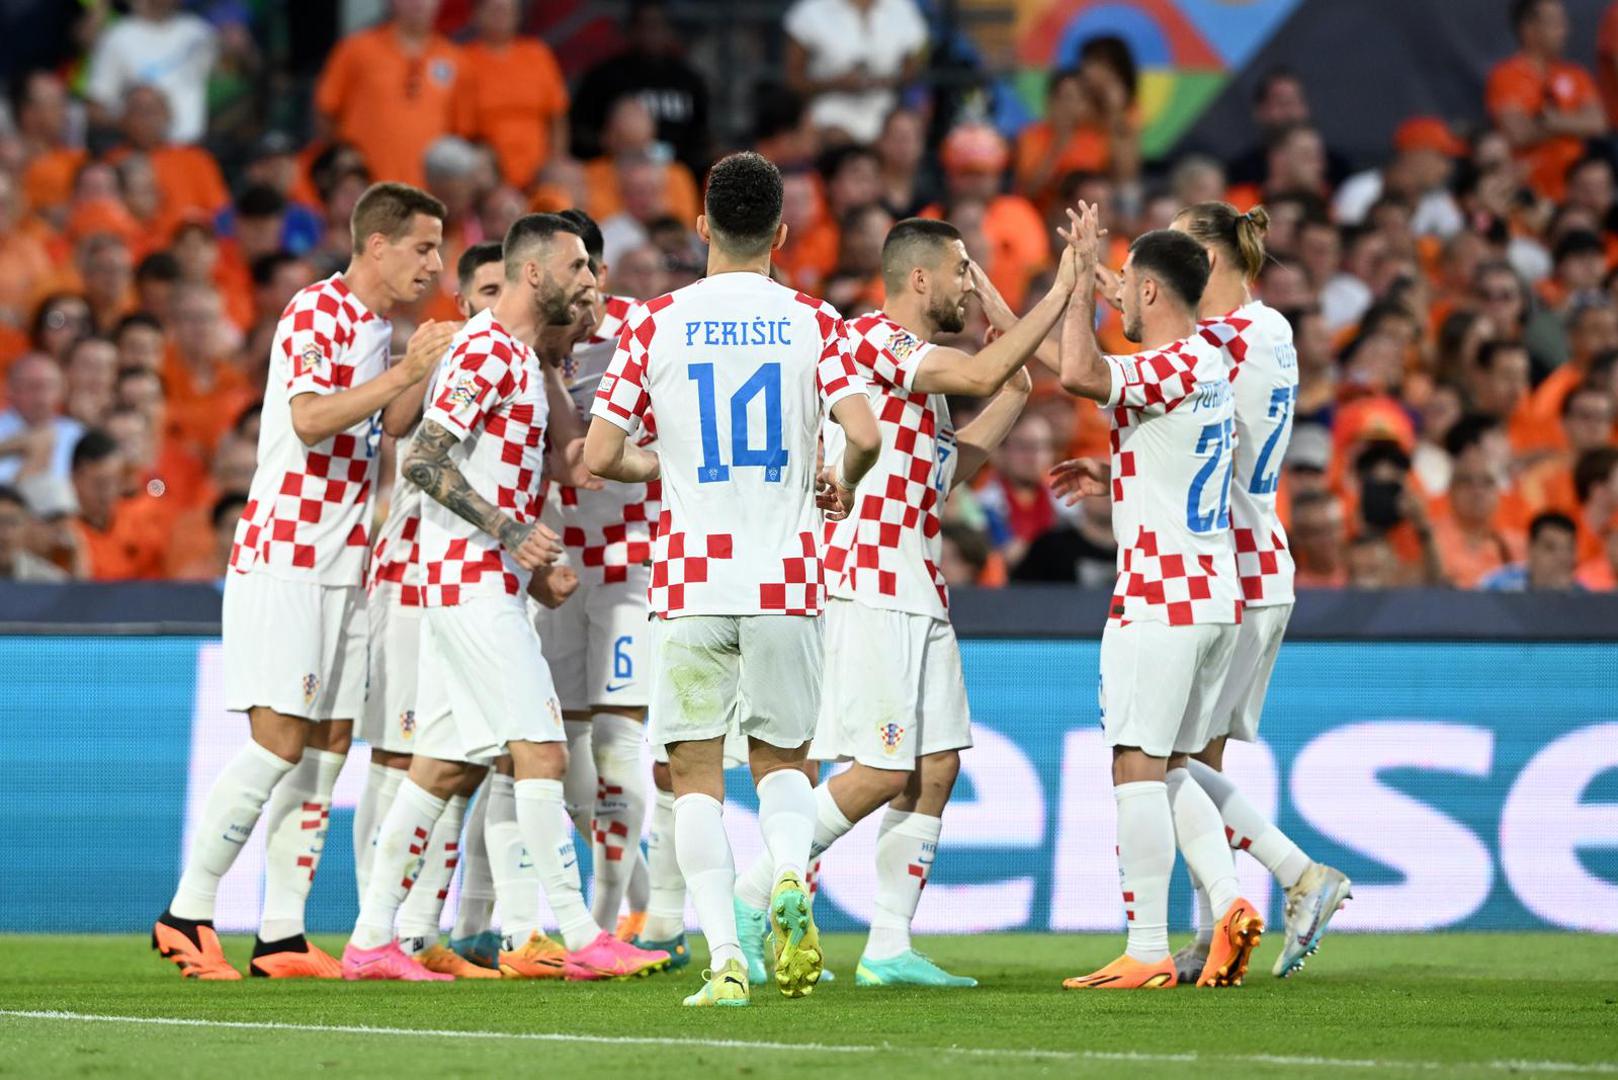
892 735
407 723
311 687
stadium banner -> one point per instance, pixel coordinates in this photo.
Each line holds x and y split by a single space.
1461 785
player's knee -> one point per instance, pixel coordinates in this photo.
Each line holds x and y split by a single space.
283 736
333 736
539 761
1213 755
440 779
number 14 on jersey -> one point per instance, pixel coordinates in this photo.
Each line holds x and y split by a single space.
771 457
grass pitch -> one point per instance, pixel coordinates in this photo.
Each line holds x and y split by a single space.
1436 1005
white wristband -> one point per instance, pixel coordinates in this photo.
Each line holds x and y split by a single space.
842 478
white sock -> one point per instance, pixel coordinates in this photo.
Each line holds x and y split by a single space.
234 804
639 893
620 811
710 872
665 907
754 886
549 837
906 845
423 909
1247 830
1145 863
475 912
1200 835
786 817
381 785
401 848
580 783
1205 916
516 882
296 822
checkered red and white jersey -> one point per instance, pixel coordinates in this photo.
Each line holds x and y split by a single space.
1173 436
749 368
607 531
396 556
491 393
1257 340
886 554
309 507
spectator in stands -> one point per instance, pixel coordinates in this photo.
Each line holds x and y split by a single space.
1014 495
1082 551
652 68
643 199
35 439
277 277
1279 105
53 158
273 162
908 181
1592 332
1372 564
214 560
107 272
1319 540
639 273
630 143
1499 385
1552 546
1578 265
1425 150
139 338
849 59
17 563
1296 165
188 177
389 91
90 378
1317 366
1595 485
205 391
1076 135
855 286
118 537
1545 105
1387 506
510 94
1588 415
975 158
25 261
156 45
1471 538
965 555
156 278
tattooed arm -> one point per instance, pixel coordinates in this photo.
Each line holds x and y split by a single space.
427 465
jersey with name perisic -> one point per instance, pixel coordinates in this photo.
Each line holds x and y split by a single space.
887 553
749 367
1257 341
607 531
1173 436
491 394
309 507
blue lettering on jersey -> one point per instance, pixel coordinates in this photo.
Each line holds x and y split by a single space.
1210 395
1286 355
723 332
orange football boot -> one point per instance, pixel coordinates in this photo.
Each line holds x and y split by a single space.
194 950
539 958
1126 973
312 962
630 926
1235 937
438 958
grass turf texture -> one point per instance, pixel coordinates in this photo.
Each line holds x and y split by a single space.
1433 1005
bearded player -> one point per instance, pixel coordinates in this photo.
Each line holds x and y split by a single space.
894 700
1173 621
294 622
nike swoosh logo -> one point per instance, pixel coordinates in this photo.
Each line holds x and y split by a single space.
621 686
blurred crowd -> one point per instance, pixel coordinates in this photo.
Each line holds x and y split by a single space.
1455 305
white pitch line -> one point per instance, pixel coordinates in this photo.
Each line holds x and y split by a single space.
1601 1068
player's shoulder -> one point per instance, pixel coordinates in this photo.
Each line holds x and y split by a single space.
329 301
615 312
482 337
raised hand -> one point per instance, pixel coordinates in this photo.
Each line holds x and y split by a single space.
426 346
1079 478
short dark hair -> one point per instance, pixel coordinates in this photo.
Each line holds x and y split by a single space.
589 232
1057 78
252 412
136 319
9 494
94 446
1112 50
158 266
1277 74
227 506
264 267
909 243
743 203
1469 431
528 232
1551 519
84 339
1592 468
1493 348
1175 260
1577 242
260 201
831 161
1520 12
489 251
388 208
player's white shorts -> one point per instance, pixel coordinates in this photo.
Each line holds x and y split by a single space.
297 647
1159 684
389 722
483 682
1241 700
597 643
894 690
757 673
